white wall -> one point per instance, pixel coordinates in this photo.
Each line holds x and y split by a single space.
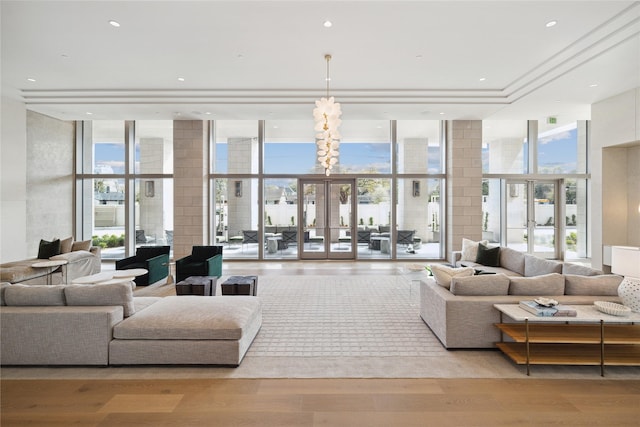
615 127
13 181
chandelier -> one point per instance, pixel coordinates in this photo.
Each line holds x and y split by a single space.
327 120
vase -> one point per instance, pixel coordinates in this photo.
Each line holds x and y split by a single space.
629 293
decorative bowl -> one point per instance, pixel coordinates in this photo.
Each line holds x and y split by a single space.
546 302
612 308
416 267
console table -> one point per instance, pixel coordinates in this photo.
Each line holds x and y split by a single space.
591 338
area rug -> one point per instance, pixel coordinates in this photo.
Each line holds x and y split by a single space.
338 327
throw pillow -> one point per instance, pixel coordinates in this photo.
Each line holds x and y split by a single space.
66 245
84 245
606 284
546 285
470 249
443 274
3 287
111 294
488 256
48 249
497 284
534 266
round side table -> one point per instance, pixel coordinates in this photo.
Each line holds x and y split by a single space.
51 266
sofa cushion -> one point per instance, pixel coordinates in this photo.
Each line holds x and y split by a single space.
582 270
34 295
443 274
192 318
535 266
110 294
512 260
488 256
84 245
66 245
3 287
606 284
470 249
548 284
486 284
48 249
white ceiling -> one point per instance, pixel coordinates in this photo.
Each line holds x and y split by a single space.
265 59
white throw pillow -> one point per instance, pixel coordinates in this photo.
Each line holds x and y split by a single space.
444 274
470 249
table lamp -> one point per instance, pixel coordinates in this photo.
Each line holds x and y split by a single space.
625 261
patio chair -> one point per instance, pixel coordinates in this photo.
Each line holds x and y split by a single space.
290 236
405 237
203 261
154 259
249 236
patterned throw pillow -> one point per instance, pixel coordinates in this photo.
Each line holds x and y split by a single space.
470 249
443 274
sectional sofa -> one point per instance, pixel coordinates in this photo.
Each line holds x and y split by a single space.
457 304
106 325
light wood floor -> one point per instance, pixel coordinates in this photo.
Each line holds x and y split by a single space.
321 402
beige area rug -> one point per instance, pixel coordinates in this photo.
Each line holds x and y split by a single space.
338 327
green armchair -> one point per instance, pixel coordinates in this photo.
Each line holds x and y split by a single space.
155 259
203 261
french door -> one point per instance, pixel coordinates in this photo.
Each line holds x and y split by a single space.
532 209
327 212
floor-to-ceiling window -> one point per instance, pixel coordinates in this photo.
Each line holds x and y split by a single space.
535 186
124 184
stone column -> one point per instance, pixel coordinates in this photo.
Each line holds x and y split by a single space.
190 185
464 183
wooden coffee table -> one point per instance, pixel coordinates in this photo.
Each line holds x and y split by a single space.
591 338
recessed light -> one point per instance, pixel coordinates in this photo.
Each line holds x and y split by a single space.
550 24
327 24
31 79
418 56
180 79
441 113
89 113
208 113
114 23
240 56
593 85
482 79
65 56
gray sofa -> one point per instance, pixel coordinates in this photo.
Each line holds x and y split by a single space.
461 313
106 325
79 263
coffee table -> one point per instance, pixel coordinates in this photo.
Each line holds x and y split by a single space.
52 265
591 338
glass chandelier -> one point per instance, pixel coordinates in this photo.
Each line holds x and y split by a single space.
327 120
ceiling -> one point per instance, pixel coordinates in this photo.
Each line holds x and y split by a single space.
265 59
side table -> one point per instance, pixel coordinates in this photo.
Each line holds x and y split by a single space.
52 265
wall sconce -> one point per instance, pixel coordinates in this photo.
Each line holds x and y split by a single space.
149 189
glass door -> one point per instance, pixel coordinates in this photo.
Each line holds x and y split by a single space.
531 212
327 212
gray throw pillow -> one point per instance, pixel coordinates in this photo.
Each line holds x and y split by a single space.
534 266
111 294
581 270
545 285
606 284
34 295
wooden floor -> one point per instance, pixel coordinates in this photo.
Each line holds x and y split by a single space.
321 402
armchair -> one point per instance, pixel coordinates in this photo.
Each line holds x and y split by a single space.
203 261
155 259
405 237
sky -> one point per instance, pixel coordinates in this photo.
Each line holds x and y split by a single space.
555 150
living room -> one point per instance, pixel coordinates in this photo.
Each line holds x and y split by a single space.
48 176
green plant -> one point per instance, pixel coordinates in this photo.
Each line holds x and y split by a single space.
572 240
293 220
549 221
111 241
341 221
370 220
485 224
269 220
361 221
